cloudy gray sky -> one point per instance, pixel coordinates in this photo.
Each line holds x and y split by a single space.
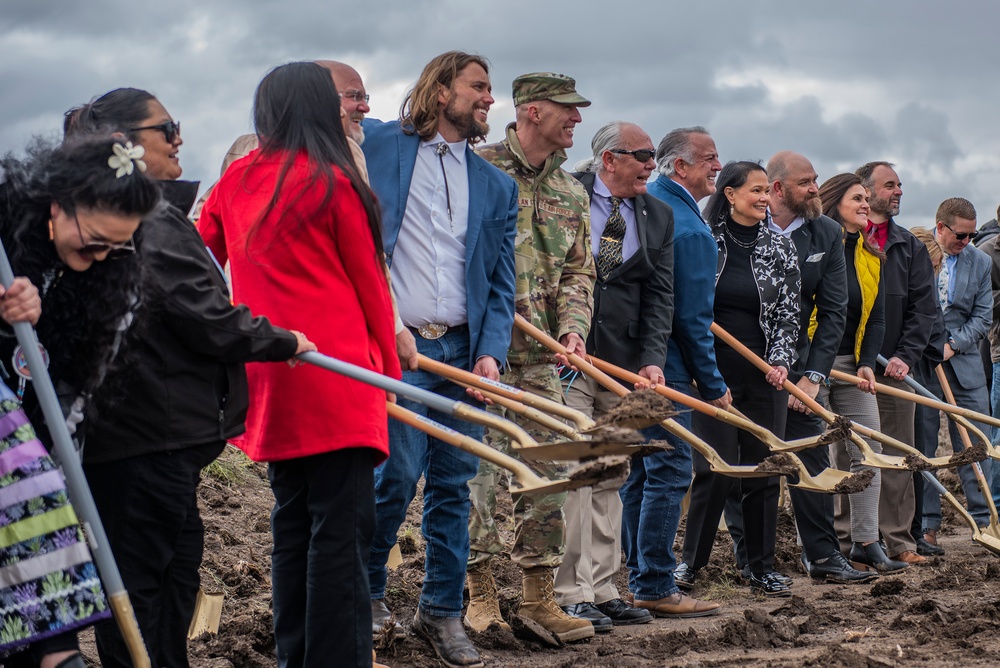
842 82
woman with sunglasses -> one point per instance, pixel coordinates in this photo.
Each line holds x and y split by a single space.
187 394
757 301
303 236
68 220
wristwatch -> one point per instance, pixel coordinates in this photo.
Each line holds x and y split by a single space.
814 378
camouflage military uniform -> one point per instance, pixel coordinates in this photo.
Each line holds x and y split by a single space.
555 276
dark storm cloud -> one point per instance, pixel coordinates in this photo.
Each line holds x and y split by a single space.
843 83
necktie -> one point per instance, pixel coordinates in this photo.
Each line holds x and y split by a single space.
944 278
442 150
609 252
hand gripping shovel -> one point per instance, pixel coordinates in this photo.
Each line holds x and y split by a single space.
444 405
783 464
525 480
914 459
610 440
76 483
960 415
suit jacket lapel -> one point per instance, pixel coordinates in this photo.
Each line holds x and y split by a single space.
477 203
963 268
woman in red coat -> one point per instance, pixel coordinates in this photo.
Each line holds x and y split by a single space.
302 234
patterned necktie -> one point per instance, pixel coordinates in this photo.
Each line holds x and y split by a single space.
944 278
609 252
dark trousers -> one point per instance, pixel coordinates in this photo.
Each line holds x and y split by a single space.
758 497
813 510
149 508
322 522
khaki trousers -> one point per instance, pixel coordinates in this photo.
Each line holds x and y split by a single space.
896 502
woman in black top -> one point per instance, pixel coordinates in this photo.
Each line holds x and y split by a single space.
757 301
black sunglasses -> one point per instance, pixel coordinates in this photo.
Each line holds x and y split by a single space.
961 236
170 130
641 154
113 250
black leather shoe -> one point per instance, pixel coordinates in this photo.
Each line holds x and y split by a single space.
380 615
836 568
447 636
873 555
602 623
768 585
684 576
75 661
623 614
780 577
925 549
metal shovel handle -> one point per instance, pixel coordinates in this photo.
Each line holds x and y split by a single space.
76 482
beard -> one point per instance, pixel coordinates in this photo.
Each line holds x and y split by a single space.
356 132
466 124
807 208
882 206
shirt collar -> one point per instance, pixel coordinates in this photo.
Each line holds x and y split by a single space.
796 223
601 189
457 148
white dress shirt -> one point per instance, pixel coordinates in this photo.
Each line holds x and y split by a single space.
428 261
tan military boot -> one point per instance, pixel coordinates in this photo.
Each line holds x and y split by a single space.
540 606
484 608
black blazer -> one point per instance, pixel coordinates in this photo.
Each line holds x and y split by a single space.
634 307
819 244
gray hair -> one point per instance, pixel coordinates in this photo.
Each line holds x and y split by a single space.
677 144
608 138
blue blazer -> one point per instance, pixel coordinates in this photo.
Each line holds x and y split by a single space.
691 348
969 317
489 242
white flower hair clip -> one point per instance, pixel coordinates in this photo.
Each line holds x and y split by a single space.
126 158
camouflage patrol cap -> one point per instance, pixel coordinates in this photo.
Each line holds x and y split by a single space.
547 86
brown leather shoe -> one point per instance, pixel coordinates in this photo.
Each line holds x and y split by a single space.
931 536
679 606
910 557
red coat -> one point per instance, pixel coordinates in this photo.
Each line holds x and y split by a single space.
316 273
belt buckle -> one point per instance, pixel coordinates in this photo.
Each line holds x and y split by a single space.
432 330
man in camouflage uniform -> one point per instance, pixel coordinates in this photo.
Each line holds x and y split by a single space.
554 290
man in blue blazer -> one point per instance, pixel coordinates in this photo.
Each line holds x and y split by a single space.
965 294
449 220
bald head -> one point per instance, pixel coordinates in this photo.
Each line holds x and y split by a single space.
348 83
794 187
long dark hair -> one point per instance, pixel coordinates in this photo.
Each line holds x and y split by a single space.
830 194
115 111
81 311
296 110
733 175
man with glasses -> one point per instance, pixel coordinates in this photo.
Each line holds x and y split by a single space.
965 293
632 243
911 308
555 276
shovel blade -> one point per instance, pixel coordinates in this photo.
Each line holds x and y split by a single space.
586 450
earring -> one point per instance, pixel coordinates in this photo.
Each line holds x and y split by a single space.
52 234
732 210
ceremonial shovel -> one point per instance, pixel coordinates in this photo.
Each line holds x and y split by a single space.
527 480
76 483
829 481
914 460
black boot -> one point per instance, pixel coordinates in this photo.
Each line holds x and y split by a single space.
873 555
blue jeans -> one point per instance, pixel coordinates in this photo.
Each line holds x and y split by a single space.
652 498
446 470
974 399
995 435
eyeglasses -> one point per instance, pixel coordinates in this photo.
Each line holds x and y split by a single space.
356 95
641 154
114 251
170 130
961 236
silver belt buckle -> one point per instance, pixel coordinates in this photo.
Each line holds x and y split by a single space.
432 330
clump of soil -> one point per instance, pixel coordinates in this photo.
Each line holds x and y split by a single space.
887 587
602 468
781 463
615 434
840 430
639 409
976 453
916 463
854 483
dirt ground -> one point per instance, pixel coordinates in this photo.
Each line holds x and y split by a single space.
944 614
